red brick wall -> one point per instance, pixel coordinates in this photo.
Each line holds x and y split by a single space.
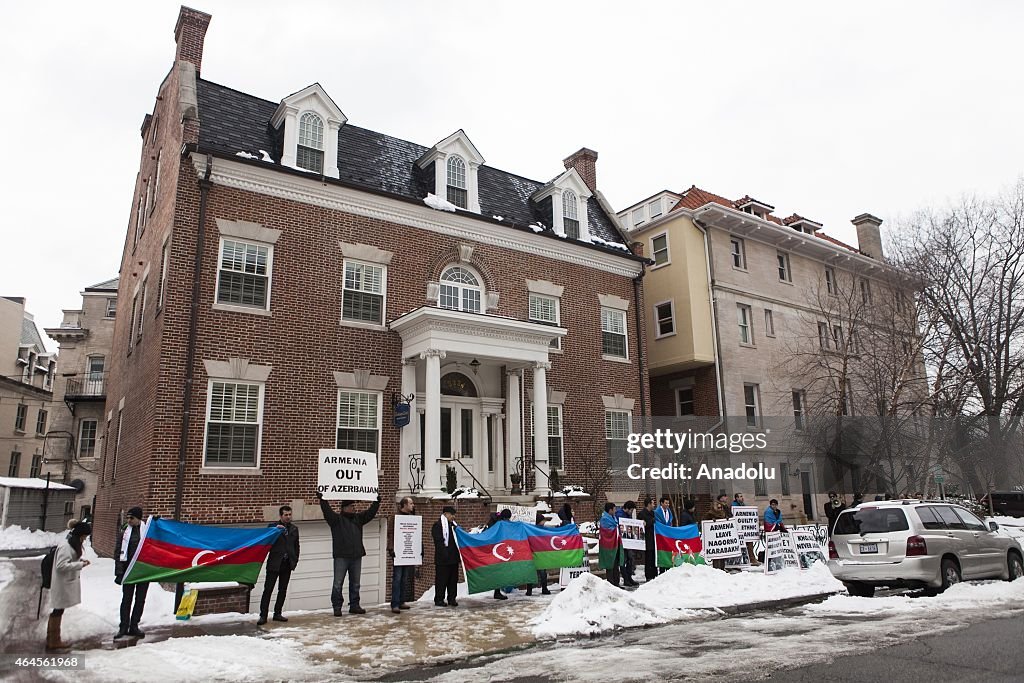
705 392
219 600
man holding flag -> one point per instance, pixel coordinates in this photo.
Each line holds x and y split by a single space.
497 556
678 544
127 544
553 549
609 544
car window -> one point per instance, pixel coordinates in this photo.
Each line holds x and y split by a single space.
929 519
871 521
972 522
949 517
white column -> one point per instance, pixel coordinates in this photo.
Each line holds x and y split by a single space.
483 473
500 481
540 427
410 434
432 415
515 443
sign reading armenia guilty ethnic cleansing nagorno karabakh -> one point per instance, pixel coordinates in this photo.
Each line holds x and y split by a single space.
345 474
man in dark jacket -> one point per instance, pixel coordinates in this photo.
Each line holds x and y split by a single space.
348 550
401 574
832 509
281 561
127 544
646 514
686 517
446 558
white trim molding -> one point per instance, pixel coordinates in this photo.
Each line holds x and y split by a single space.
237 368
315 99
457 144
361 379
544 287
612 301
366 252
254 232
569 180
618 402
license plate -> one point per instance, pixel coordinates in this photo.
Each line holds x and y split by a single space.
867 548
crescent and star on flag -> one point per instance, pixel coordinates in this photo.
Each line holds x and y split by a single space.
197 563
511 552
560 541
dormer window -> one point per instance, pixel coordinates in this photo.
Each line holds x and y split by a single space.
457 192
570 215
460 290
310 152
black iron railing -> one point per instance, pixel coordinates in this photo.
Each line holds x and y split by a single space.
91 386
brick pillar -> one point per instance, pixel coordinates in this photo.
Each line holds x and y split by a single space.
189 33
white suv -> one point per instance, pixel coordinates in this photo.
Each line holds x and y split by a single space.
918 544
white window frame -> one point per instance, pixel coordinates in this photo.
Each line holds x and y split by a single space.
831 285
461 289
624 333
824 336
784 267
383 293
838 338
654 208
81 438
756 405
658 334
452 170
735 242
110 311
638 216
571 211
679 402
556 343
556 433
378 396
311 137
131 323
799 399
745 323
629 430
42 416
220 466
269 274
666 250
769 322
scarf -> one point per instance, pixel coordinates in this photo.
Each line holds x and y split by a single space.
445 530
126 537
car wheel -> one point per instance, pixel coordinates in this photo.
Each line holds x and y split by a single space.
1015 567
950 573
860 590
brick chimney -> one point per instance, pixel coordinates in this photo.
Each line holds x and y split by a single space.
585 163
189 33
869 237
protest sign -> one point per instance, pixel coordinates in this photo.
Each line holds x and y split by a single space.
779 553
748 519
820 532
720 538
743 560
633 533
520 513
345 474
567 574
408 540
807 549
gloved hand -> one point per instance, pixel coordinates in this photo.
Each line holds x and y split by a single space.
319 495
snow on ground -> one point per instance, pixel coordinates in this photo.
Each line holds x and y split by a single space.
959 597
590 605
15 537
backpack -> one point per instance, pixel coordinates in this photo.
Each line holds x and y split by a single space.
46 568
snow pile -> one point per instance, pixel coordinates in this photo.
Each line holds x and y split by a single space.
206 658
605 243
15 537
435 202
537 227
246 155
265 157
465 492
571 491
591 605
959 597
677 594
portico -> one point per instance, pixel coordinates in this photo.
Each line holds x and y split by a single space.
455 364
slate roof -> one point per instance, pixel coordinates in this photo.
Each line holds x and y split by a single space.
105 286
232 122
30 334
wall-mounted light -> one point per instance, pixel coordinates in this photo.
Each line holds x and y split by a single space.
475 364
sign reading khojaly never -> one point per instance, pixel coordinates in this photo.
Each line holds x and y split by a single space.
748 519
819 531
721 539
408 540
807 548
345 474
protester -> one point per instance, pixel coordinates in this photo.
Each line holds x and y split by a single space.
627 511
565 514
127 544
773 517
542 574
858 498
281 561
687 516
737 501
664 512
446 559
723 501
348 550
495 517
646 514
719 510
66 583
610 523
401 575
832 509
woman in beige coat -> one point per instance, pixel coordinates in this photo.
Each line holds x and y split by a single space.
66 584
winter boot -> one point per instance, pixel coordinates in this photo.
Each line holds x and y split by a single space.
545 591
529 590
134 631
262 620
280 617
53 641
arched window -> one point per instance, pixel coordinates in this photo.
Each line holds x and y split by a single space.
460 290
457 193
310 153
570 215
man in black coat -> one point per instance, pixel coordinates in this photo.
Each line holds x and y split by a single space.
646 514
348 550
281 561
127 544
832 509
446 558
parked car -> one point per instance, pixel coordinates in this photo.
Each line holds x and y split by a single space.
918 544
1005 503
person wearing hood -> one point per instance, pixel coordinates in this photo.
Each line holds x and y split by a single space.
348 551
609 527
127 544
565 514
66 583
446 558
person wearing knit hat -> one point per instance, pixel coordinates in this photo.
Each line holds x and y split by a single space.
127 544
66 583
347 549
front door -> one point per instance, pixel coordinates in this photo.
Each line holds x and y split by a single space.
805 487
458 429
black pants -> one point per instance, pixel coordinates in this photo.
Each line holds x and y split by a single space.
650 564
446 580
283 574
130 616
613 573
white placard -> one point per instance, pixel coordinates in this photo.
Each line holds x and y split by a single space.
520 513
748 519
345 474
633 533
743 560
807 548
779 552
720 539
408 540
820 532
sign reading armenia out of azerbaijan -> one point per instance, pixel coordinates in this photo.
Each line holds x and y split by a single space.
345 474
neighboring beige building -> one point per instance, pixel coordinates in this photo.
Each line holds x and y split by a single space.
77 429
26 383
767 298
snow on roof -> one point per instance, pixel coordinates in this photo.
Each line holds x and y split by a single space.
32 483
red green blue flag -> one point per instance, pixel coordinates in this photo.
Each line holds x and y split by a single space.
496 557
554 548
675 545
178 552
608 542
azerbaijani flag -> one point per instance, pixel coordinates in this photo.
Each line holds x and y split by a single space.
179 552
608 542
554 548
682 542
496 557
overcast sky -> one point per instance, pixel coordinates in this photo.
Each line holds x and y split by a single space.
822 108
